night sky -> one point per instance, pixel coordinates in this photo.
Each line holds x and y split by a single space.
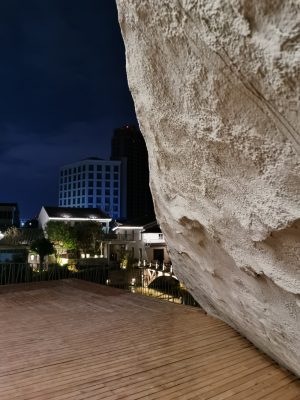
63 91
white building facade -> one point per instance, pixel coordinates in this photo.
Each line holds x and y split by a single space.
91 183
143 242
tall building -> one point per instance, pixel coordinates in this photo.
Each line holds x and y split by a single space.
92 183
128 146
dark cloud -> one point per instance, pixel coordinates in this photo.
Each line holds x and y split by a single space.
63 90
59 60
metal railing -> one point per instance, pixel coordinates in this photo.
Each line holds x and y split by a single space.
135 279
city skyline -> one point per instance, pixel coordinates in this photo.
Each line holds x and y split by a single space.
64 91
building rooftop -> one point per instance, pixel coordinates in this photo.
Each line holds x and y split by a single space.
152 229
142 222
78 340
70 212
93 159
22 237
8 204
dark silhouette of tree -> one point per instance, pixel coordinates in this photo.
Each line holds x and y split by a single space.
43 247
89 236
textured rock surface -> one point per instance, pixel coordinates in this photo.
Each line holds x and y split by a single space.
217 95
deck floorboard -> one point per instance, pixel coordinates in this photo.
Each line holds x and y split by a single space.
74 340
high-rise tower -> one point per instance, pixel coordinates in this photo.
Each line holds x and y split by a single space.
128 146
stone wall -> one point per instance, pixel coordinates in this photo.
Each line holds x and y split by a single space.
216 86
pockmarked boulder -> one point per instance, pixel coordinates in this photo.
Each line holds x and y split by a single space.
216 86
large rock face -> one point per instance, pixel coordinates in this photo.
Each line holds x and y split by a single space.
217 95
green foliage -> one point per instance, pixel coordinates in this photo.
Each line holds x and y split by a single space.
86 236
12 235
89 236
62 235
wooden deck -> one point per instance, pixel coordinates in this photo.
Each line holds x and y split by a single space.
76 340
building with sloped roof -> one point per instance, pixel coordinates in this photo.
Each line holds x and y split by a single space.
72 215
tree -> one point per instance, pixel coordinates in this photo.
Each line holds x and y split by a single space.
89 236
43 247
12 235
62 235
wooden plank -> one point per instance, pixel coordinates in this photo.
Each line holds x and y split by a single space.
77 340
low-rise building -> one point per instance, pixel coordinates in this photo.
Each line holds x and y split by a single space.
71 215
9 216
139 240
